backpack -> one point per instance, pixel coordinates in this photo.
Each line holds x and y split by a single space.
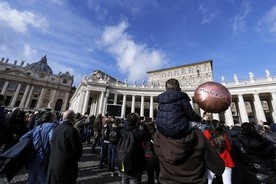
114 137
126 153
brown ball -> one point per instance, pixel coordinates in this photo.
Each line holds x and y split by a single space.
212 97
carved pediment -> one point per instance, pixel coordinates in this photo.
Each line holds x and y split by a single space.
16 73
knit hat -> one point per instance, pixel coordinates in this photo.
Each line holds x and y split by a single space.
273 127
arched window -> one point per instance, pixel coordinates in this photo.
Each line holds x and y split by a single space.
58 105
33 103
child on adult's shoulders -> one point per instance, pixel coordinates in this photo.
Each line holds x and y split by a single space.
175 115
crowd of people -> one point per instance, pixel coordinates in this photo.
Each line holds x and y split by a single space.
179 147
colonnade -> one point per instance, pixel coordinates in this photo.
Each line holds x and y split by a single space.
96 102
28 96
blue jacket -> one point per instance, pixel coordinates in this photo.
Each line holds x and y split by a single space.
174 113
47 130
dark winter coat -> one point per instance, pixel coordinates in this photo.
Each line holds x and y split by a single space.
140 136
186 160
255 159
174 113
65 152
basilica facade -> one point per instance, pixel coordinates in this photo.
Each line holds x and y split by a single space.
252 99
34 86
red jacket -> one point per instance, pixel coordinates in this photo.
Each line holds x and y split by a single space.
226 154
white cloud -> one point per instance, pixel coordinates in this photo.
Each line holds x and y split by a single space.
268 22
208 16
240 19
28 51
19 21
133 59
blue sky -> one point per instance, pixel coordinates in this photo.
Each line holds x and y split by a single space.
127 38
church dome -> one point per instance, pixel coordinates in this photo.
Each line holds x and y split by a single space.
41 66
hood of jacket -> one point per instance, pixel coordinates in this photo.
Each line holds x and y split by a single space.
253 143
176 150
172 96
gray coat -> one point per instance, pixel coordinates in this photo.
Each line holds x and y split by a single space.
65 153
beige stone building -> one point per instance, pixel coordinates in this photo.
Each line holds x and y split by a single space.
252 99
34 86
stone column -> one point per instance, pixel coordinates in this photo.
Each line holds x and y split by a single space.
15 95
191 102
24 96
4 88
100 102
39 102
133 104
86 99
94 105
105 101
151 107
123 111
273 104
142 108
52 99
29 97
259 108
229 117
215 116
242 109
64 105
80 102
115 99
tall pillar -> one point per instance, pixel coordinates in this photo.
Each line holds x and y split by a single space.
95 104
123 111
133 104
151 107
24 96
15 95
29 97
142 108
86 99
52 99
92 105
38 105
80 101
229 117
191 102
105 102
259 108
201 112
115 98
64 105
4 88
215 116
100 102
273 104
242 109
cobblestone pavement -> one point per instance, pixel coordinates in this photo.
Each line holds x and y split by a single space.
89 173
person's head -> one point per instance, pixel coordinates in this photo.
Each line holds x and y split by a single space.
69 115
248 129
172 84
48 117
272 127
151 127
133 119
78 115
